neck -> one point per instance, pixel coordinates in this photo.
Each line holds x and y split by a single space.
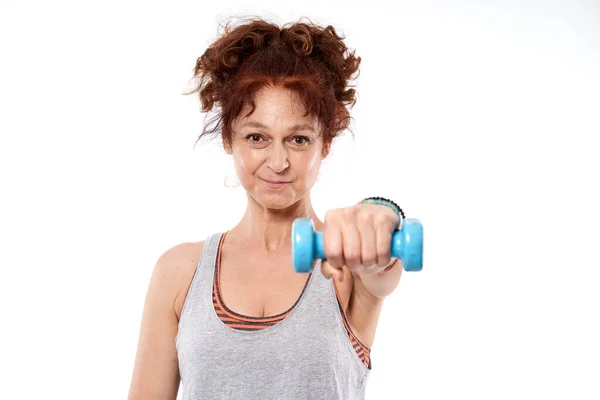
270 230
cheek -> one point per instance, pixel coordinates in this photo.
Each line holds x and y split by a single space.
246 163
240 165
312 167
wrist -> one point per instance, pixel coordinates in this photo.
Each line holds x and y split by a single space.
386 202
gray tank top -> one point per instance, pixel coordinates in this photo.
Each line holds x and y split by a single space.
307 355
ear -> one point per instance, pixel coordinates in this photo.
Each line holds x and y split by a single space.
325 150
227 147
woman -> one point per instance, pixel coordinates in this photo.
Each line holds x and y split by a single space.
229 316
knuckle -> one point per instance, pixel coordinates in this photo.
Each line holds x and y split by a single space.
384 239
383 255
365 218
333 215
352 255
369 256
332 251
336 255
328 216
368 261
350 212
380 219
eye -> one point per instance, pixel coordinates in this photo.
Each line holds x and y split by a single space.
252 136
301 140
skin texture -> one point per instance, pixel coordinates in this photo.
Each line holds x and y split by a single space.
277 142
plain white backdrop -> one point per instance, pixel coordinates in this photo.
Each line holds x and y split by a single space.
479 118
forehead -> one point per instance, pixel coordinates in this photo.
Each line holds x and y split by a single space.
278 107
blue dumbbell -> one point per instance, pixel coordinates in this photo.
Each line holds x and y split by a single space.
307 245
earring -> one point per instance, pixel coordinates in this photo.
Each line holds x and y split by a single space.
233 186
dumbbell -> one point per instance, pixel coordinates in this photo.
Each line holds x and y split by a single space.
307 244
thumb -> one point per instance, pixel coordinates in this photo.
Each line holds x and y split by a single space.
330 271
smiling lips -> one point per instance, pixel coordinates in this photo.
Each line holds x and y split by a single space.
275 184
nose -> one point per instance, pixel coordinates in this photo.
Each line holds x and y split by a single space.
278 158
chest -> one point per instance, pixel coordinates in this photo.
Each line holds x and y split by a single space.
258 287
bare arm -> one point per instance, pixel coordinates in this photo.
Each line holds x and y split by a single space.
368 293
156 368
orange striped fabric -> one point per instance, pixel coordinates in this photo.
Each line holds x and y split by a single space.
246 323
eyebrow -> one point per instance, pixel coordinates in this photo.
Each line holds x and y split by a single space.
294 128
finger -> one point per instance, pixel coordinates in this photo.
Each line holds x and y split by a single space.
368 241
332 243
384 243
351 246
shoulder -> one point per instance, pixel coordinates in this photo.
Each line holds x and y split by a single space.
175 269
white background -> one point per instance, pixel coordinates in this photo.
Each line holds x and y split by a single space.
479 118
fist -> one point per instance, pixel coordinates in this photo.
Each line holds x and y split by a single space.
358 237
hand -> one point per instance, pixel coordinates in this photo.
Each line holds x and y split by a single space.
358 237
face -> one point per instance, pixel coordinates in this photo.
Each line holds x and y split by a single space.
276 143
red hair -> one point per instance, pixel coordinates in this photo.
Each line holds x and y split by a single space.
308 59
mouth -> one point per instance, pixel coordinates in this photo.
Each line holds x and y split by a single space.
275 184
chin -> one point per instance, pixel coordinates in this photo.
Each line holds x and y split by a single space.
276 200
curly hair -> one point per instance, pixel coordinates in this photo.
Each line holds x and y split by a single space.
310 60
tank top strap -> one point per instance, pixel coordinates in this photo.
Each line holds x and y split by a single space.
211 248
196 299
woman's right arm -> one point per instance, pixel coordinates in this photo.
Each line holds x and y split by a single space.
156 368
